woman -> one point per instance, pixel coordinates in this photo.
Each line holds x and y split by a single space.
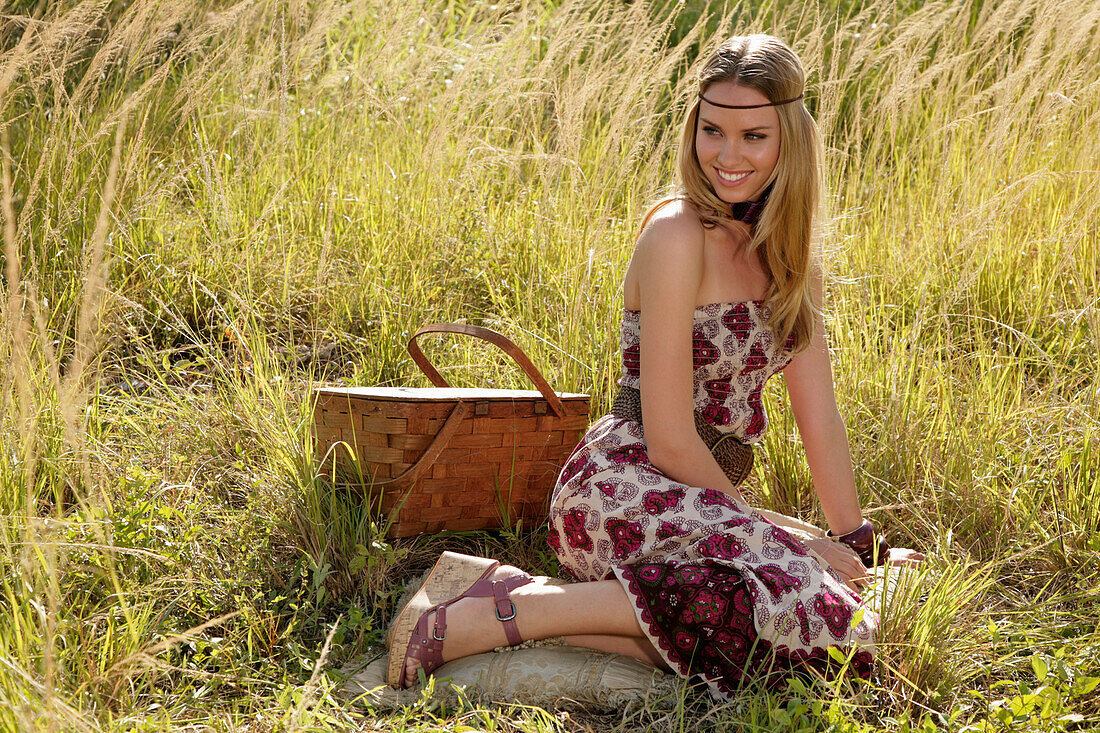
722 292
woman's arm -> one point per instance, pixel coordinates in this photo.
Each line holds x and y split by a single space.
809 379
665 272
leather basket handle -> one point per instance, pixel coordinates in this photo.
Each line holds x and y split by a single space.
498 340
413 473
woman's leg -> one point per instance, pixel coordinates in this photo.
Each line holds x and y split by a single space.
628 646
599 612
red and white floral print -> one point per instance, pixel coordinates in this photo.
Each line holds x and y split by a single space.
719 590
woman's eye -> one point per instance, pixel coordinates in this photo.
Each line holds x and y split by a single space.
708 130
755 136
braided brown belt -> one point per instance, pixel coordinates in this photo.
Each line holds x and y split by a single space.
733 456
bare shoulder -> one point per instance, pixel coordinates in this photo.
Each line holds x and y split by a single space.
669 249
673 229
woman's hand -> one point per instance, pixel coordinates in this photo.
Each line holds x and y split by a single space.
843 559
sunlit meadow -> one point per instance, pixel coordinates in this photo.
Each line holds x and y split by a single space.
209 206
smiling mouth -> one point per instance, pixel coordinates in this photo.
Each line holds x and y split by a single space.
731 178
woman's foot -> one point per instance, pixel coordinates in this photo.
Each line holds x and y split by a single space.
472 627
463 607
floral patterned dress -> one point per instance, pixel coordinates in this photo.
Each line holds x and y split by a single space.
720 591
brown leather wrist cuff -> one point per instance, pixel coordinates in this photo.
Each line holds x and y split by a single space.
872 548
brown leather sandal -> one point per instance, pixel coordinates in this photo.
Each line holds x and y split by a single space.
453 578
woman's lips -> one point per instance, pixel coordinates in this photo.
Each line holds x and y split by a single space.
731 179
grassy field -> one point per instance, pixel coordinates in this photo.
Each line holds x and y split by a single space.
209 206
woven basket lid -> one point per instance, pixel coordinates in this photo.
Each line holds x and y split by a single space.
442 394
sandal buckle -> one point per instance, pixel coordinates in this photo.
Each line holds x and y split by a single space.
510 616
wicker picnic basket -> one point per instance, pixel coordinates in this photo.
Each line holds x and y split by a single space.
441 458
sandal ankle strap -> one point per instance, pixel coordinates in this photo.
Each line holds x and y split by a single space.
506 612
500 591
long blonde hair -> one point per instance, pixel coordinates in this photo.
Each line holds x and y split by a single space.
785 229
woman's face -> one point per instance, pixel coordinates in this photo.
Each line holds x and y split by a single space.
737 149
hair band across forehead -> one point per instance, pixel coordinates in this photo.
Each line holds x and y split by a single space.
751 106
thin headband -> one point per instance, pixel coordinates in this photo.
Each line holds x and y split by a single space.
750 106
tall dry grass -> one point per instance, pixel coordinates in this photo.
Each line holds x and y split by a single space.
208 205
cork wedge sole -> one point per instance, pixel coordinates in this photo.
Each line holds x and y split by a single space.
452 575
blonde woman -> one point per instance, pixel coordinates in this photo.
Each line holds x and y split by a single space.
673 566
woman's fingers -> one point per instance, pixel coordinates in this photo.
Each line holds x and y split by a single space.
852 565
860 575
857 575
849 565
844 560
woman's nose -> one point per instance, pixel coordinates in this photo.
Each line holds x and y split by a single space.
730 154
